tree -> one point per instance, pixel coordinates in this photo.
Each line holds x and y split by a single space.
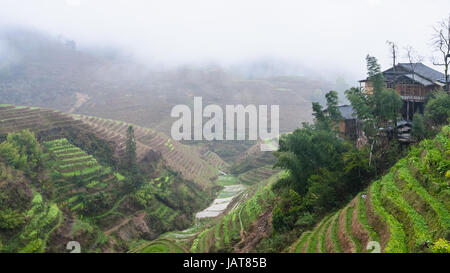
441 44
319 115
360 102
378 82
134 177
394 49
305 151
11 219
130 150
374 74
418 127
379 108
287 211
332 106
390 105
437 109
414 58
332 116
321 196
22 151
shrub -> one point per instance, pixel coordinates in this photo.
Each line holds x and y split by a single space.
10 219
441 246
437 109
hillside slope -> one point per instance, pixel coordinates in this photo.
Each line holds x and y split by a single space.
404 211
199 168
75 190
186 160
239 229
41 70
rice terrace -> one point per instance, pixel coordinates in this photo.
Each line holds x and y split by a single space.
224 135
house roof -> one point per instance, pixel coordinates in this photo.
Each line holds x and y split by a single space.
423 74
424 71
419 79
347 112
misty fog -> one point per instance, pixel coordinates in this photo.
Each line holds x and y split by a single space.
325 38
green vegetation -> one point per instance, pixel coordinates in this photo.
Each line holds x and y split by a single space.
421 231
70 162
397 241
223 233
437 109
334 233
418 129
438 207
71 181
390 215
325 170
44 218
22 151
441 246
348 229
226 180
315 238
298 247
119 176
362 218
162 246
323 235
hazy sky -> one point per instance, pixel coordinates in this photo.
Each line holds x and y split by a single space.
328 34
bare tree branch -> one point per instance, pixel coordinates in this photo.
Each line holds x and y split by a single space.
441 44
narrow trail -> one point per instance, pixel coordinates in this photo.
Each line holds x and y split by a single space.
261 228
121 224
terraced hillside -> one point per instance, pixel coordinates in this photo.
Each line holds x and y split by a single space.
183 159
243 226
92 182
253 158
18 197
78 191
404 211
15 118
215 160
256 175
238 230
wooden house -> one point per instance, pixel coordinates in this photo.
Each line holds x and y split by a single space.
413 82
348 126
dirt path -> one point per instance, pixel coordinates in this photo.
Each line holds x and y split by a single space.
258 230
121 224
306 244
374 221
344 240
328 242
358 230
80 100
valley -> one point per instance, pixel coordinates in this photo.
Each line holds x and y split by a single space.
90 156
193 201
82 181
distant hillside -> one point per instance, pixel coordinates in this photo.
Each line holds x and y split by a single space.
405 211
43 71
